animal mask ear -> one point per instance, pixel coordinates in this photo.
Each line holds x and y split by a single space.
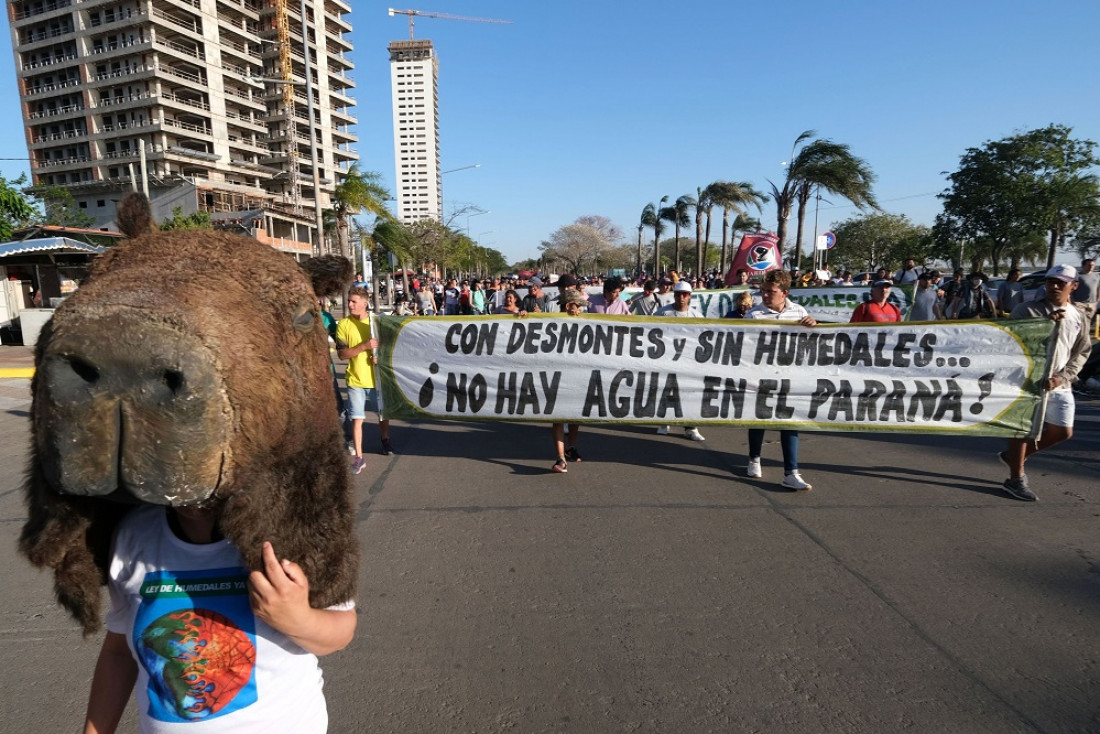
134 215
331 275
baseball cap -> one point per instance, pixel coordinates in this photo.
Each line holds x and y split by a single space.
534 281
1065 273
572 297
665 280
682 286
885 282
566 280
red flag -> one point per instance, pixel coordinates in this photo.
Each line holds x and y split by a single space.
757 254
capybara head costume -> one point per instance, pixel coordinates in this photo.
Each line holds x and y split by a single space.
190 368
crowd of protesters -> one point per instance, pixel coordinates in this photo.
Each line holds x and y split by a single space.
935 297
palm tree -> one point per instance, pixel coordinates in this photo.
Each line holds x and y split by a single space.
678 215
651 217
358 192
703 205
820 165
732 197
392 237
641 228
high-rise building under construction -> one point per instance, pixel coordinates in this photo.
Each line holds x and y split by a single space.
201 102
414 74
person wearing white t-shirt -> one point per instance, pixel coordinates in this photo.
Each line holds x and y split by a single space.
1072 348
211 646
776 306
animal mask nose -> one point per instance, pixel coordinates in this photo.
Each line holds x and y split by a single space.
145 414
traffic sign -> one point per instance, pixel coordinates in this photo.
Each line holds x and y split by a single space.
830 240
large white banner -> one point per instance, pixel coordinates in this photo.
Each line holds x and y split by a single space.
957 377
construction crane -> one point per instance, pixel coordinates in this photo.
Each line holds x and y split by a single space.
413 13
286 68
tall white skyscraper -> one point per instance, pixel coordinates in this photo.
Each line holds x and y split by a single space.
414 73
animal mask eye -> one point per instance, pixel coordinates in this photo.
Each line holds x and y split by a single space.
305 320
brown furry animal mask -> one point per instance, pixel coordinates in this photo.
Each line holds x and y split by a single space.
191 368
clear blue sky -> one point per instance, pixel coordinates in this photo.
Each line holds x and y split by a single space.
599 107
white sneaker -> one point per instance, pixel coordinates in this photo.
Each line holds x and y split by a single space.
662 431
693 434
794 480
753 469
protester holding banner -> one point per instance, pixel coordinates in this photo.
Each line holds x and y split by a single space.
572 303
356 344
777 307
535 300
609 302
511 304
1071 350
878 308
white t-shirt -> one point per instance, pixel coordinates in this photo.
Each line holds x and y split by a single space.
791 312
691 313
205 662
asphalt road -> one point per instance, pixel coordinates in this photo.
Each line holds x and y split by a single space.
654 589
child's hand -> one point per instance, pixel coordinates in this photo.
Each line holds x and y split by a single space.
280 593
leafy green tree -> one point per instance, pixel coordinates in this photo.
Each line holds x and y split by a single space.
15 211
577 246
1007 189
880 240
194 220
359 192
819 165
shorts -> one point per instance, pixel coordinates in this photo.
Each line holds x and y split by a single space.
1060 408
360 400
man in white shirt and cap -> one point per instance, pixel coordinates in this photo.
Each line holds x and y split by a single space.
1071 350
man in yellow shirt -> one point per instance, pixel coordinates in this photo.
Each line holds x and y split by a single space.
355 343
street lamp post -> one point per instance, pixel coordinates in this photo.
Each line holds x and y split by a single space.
441 175
481 252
